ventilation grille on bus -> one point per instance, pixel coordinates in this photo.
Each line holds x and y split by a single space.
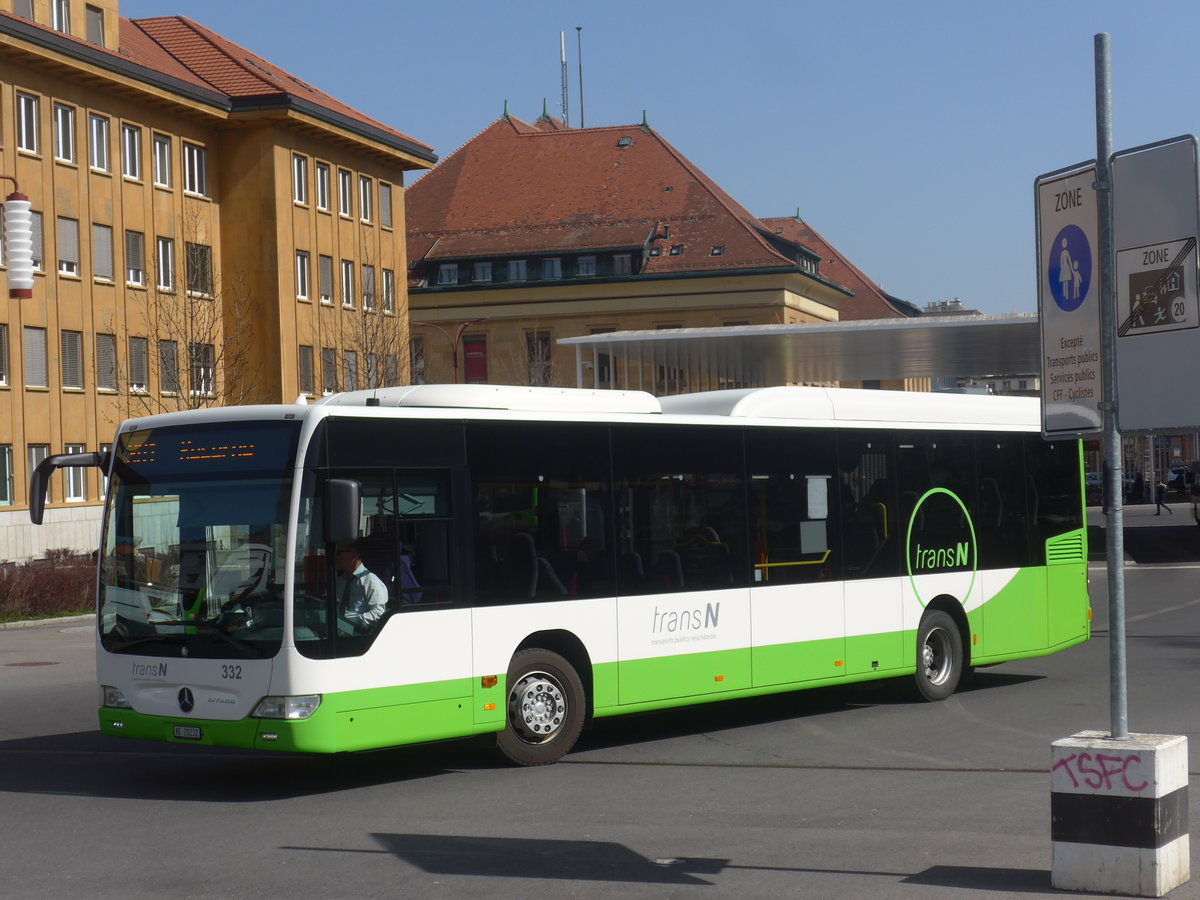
1066 548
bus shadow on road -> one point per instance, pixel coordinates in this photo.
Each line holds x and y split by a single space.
88 764
727 715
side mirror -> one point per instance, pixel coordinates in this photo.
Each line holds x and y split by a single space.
39 481
342 504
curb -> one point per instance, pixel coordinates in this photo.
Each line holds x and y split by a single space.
35 623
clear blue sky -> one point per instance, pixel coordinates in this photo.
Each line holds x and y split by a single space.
909 134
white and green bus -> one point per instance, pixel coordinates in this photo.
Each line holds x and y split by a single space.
550 556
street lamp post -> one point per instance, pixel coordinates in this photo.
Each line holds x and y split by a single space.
454 341
18 236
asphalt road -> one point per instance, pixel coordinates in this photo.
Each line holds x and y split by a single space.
854 792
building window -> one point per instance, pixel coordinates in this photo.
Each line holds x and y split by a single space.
98 142
102 252
168 367
717 250
368 287
60 16
448 273
385 204
75 477
348 283
165 263
475 359
203 362
622 264
35 357
322 178
301 274
416 361
299 179
325 276
139 364
3 353
537 347
516 270
676 250
328 370
349 370
68 246
135 258
364 198
552 268
34 454
64 133
195 169
162 160
23 8
482 272
6 475
391 370
131 152
95 24
345 198
305 358
106 362
586 266
389 291
71 361
27 123
198 262
37 252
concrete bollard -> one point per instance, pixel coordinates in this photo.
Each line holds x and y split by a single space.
1119 813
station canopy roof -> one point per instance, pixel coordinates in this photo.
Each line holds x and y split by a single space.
861 350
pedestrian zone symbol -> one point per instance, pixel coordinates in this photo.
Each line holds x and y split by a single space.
1070 268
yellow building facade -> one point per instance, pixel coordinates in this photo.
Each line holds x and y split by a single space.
199 240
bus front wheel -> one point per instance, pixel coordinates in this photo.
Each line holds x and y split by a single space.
545 708
939 655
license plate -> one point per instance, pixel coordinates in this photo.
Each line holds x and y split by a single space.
188 732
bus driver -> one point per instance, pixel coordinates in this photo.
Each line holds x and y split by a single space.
361 597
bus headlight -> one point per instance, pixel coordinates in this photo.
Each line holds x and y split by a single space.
111 696
287 707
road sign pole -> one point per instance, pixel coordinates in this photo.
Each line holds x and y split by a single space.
1115 525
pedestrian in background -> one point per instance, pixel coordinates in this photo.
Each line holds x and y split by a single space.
1160 494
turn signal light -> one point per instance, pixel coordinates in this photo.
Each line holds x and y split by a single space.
489 681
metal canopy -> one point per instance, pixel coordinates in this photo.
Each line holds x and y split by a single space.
862 350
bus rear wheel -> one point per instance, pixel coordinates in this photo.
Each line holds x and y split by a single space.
939 655
545 708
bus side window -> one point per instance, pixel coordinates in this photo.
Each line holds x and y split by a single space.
794 505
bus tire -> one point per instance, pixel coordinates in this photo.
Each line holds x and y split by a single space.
939 655
545 708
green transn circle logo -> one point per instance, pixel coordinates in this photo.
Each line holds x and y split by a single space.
941 541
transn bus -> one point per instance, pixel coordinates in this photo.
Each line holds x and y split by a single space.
551 556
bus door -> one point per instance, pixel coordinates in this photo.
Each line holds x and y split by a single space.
797 603
871 539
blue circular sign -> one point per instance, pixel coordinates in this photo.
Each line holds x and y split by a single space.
1070 268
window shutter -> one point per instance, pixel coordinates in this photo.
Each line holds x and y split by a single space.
102 251
106 361
71 362
35 357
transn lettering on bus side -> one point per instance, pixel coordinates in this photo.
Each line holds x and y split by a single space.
672 621
942 557
149 670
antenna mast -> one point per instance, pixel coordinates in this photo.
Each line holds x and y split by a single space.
562 53
579 46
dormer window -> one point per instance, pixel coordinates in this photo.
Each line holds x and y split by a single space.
622 264
516 270
676 249
624 142
656 251
586 266
718 250
552 268
448 273
483 272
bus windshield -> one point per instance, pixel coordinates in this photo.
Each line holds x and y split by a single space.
194 540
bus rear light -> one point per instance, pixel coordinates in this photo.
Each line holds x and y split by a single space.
286 707
112 697
488 681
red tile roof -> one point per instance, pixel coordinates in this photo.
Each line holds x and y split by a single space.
196 57
869 300
520 188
